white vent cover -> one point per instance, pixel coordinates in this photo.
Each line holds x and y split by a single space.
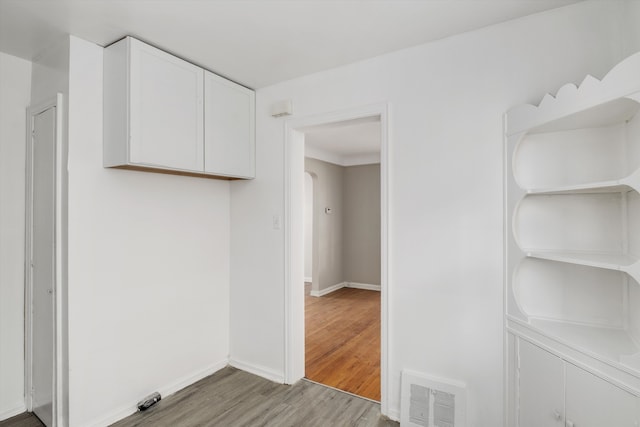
429 401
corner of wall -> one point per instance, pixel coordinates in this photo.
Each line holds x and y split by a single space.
15 87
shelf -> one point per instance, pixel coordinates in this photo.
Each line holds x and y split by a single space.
608 343
594 102
572 198
596 187
612 112
630 183
608 261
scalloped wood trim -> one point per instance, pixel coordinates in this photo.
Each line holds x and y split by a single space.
620 82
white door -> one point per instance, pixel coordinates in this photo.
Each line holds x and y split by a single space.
541 389
229 128
166 110
42 264
593 402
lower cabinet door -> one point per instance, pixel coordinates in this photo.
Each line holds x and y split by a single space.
594 402
541 388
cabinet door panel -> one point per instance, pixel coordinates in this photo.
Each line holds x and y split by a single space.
229 128
593 402
541 390
166 110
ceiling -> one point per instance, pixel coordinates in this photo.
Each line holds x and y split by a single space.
347 143
256 43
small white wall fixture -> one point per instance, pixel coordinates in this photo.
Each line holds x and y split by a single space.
59 257
294 223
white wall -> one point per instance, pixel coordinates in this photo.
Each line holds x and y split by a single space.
148 268
329 187
446 104
148 254
15 93
51 76
629 11
308 226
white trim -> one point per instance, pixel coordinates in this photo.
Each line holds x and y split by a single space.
293 339
260 371
294 359
365 286
58 397
340 391
13 412
341 159
307 280
165 391
393 415
361 159
385 244
326 291
354 285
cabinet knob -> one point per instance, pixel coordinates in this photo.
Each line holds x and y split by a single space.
557 415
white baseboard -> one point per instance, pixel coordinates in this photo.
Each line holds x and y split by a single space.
355 285
165 391
170 389
258 370
308 279
394 415
325 291
365 286
16 410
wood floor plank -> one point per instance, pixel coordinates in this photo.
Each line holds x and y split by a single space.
342 333
233 398
25 419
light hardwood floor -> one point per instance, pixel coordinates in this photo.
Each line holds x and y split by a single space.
342 332
233 398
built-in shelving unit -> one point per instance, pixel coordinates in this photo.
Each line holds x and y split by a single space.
573 225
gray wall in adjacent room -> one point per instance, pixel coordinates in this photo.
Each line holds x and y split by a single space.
361 228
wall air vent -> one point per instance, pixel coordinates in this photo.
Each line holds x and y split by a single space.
429 401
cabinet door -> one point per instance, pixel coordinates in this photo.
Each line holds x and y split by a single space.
229 128
593 402
541 388
166 110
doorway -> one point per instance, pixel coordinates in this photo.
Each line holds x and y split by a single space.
342 300
43 261
294 232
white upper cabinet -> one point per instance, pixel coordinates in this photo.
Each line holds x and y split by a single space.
155 117
166 109
163 97
229 128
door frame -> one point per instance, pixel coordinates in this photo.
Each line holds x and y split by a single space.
57 392
294 252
